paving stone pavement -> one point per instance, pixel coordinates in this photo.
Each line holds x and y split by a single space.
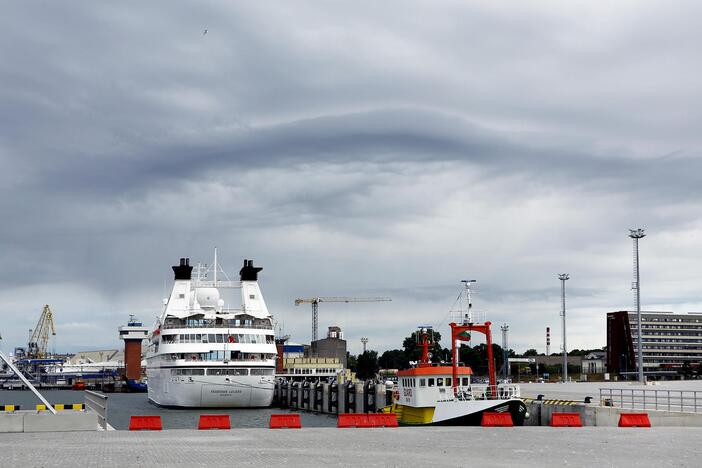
405 446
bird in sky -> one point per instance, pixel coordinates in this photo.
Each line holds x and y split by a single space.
204 32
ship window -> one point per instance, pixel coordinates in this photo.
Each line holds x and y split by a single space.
211 338
448 381
181 296
198 338
422 382
465 381
252 296
220 339
261 371
440 382
431 382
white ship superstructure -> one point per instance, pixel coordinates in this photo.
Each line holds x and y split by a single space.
203 354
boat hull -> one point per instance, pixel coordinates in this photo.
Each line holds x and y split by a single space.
212 391
460 413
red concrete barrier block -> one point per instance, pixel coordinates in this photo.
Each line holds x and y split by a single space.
214 421
634 420
285 421
353 420
145 423
382 420
566 420
496 420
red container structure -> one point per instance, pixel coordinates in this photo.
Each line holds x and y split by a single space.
214 421
566 420
285 421
382 420
145 423
353 420
496 420
634 420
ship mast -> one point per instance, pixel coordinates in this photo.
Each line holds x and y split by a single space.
423 342
461 332
215 267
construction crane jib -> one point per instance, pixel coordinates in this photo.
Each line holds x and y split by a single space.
37 346
315 306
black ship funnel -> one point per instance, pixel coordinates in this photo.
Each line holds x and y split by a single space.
249 272
184 270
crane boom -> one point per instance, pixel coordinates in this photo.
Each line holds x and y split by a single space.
37 346
315 306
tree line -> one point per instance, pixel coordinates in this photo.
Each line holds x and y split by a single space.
366 365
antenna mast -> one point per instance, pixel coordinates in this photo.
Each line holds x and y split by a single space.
215 267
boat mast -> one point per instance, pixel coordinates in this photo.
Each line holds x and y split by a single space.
461 332
215 267
423 342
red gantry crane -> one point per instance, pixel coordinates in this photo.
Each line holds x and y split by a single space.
315 306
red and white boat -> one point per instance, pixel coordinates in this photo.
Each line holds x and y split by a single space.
430 394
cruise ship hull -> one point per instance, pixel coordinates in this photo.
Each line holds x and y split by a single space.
209 391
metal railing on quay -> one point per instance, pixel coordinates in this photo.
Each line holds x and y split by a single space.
97 402
682 401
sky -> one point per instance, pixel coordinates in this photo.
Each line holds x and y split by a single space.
350 148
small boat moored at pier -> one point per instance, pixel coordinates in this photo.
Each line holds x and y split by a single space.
429 394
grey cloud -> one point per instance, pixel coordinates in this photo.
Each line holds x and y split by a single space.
349 148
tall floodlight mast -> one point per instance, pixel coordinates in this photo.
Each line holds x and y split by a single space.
505 352
635 235
364 340
564 277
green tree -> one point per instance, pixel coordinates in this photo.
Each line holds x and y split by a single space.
413 351
531 352
476 357
351 362
367 365
393 359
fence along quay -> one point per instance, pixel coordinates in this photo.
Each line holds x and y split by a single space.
360 397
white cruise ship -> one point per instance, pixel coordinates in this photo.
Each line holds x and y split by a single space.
202 354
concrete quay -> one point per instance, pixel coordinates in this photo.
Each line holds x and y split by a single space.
404 446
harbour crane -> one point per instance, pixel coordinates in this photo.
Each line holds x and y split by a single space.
37 346
315 306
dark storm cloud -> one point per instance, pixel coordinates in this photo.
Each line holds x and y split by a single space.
352 147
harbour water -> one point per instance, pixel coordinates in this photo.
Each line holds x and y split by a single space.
123 405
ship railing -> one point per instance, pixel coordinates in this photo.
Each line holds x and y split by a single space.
97 402
219 284
214 324
682 401
488 392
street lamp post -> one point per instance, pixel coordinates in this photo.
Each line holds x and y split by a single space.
564 277
635 235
